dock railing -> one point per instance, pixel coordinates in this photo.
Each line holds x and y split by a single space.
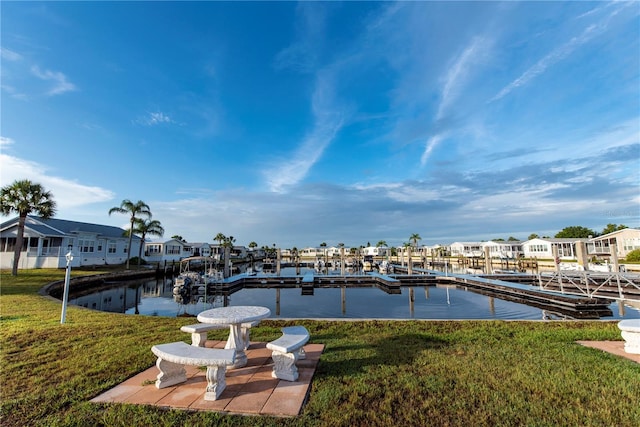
601 285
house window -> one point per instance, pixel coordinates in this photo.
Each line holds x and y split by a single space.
631 244
9 244
172 250
45 246
86 246
154 249
111 248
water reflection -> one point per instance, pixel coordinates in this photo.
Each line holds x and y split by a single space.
155 298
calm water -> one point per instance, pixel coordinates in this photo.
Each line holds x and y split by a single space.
155 298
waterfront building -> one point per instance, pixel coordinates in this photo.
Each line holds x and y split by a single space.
47 241
625 240
467 249
170 251
567 249
376 251
503 249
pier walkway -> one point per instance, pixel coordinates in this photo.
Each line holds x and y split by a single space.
559 294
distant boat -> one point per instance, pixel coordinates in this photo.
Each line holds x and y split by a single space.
385 267
367 263
191 281
267 265
565 266
603 268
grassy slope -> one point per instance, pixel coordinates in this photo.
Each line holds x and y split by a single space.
371 373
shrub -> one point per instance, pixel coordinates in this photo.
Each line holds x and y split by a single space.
633 256
137 261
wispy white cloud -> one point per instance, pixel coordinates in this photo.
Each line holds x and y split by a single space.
60 83
4 141
328 115
301 55
9 55
154 118
598 9
561 52
455 80
431 144
457 75
328 120
67 193
13 92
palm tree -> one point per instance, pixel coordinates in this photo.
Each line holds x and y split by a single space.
227 244
229 241
24 197
381 244
220 238
323 245
134 210
414 238
147 226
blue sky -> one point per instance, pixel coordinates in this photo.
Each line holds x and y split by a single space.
300 123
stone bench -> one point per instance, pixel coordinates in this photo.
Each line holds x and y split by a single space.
172 357
630 331
286 350
199 331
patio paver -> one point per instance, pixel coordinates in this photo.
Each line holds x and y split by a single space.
250 390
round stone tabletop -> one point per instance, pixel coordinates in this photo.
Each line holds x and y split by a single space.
234 315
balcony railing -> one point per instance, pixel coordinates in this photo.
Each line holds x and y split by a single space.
51 251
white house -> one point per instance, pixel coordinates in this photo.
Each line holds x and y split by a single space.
626 240
375 250
169 251
543 248
47 241
467 249
201 249
334 252
311 252
435 250
503 249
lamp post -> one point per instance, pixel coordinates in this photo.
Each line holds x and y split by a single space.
67 276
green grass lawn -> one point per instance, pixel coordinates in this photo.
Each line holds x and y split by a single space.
372 373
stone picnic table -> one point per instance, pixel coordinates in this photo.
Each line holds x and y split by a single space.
235 317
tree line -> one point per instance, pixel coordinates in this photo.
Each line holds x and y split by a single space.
580 232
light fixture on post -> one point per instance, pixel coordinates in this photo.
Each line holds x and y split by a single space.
67 277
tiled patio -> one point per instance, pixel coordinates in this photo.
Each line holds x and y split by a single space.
250 390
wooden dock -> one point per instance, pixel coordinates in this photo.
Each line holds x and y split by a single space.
307 283
520 288
577 307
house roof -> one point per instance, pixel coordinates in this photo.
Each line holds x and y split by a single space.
558 240
199 244
63 227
